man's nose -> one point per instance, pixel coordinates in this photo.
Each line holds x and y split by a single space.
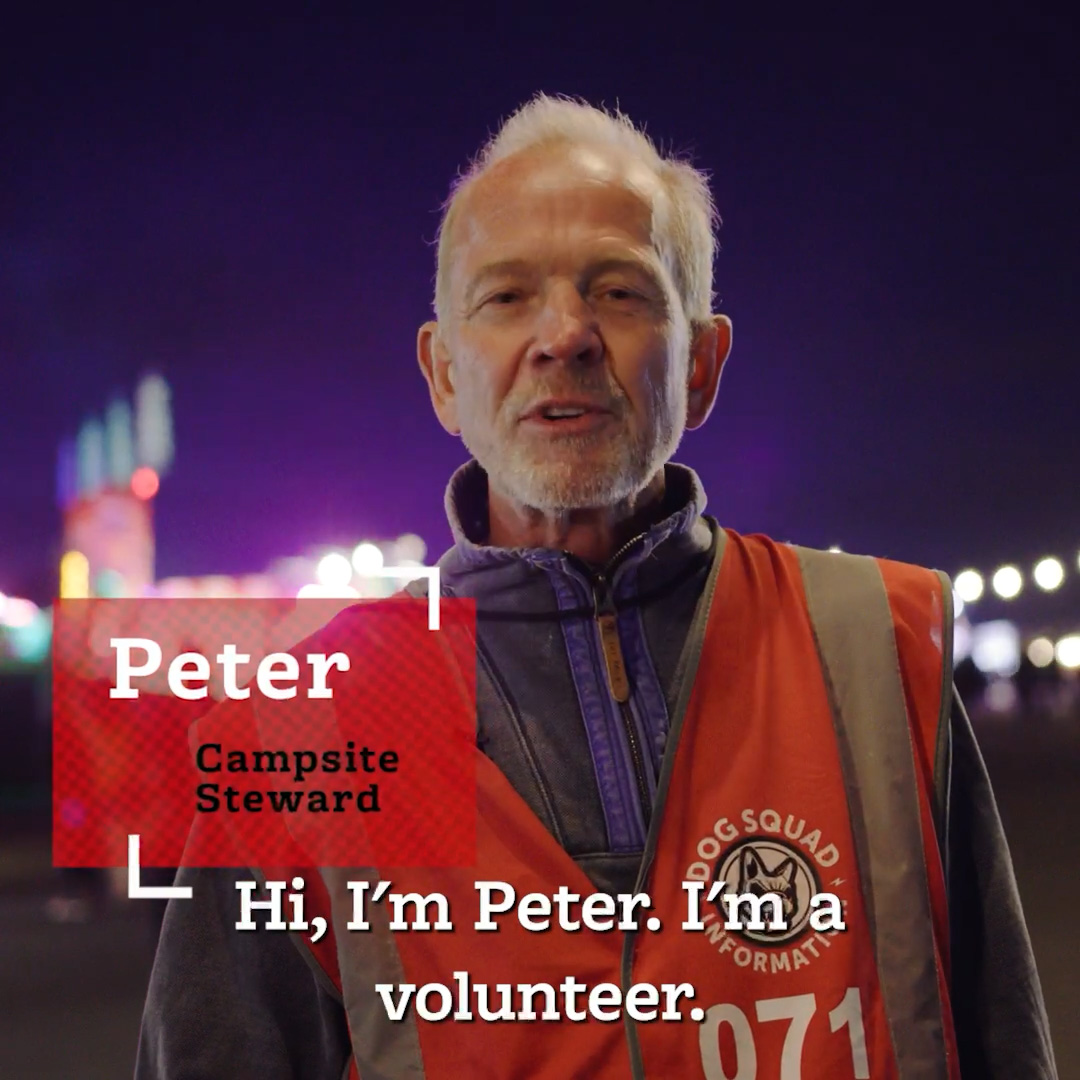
567 329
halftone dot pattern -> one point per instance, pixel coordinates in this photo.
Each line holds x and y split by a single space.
126 766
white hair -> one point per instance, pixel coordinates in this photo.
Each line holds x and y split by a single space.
683 222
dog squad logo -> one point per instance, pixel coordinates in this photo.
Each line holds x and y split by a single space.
757 867
761 853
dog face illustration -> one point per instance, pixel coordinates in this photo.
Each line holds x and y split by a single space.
758 879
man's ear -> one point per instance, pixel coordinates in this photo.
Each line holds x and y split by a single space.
434 360
708 352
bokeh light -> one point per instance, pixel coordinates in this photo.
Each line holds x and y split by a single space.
367 559
1049 574
334 570
1040 652
1068 651
1007 582
995 647
18 612
74 576
961 641
319 591
410 547
144 482
969 585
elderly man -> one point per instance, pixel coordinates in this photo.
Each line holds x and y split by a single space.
663 706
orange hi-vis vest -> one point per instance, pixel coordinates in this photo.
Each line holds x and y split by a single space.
808 755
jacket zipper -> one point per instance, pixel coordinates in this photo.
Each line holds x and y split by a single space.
618 680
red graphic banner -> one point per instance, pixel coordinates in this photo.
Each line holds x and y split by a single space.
264 732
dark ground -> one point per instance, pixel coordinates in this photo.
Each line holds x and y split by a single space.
71 995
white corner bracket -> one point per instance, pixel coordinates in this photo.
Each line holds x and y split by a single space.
429 572
149 892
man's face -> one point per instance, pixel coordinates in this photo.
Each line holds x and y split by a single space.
567 344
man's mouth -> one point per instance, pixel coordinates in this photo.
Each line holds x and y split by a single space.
554 411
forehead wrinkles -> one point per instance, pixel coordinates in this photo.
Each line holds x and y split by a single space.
525 197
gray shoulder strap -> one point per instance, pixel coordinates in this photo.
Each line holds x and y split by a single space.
853 629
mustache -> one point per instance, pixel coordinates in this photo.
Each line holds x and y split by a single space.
605 396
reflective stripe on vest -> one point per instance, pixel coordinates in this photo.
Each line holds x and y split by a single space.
384 1049
823 673
853 626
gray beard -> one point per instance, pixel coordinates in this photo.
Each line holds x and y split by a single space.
562 485
558 488
620 466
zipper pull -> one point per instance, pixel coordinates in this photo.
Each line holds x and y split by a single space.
608 625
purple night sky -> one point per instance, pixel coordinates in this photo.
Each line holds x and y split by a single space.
250 211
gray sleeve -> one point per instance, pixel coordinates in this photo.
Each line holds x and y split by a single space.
1001 1024
232 1003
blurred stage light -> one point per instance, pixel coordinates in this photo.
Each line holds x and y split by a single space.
410 548
177 588
144 482
367 559
257 586
836 548
961 640
334 570
1040 652
1049 574
219 587
1002 696
18 612
957 604
74 576
1007 582
29 642
995 647
969 585
110 584
1068 651
327 592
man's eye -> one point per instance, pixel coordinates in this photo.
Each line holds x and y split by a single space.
505 296
618 293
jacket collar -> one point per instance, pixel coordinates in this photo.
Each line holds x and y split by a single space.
466 504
